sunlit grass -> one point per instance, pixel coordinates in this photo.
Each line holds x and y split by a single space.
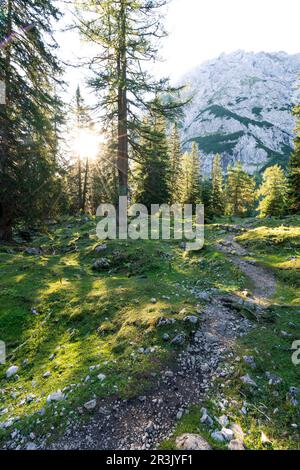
86 318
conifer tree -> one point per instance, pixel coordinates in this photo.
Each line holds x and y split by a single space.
217 194
83 123
240 191
206 198
104 177
152 172
29 119
175 164
191 177
294 169
274 191
127 34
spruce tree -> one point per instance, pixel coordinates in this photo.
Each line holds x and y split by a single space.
175 164
294 170
274 191
217 195
30 186
240 191
206 198
152 170
191 177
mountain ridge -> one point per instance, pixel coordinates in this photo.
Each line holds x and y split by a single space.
242 108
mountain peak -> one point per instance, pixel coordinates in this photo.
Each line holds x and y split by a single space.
242 108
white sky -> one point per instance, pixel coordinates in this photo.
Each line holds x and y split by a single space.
202 29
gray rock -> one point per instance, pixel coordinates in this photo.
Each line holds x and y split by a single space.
163 321
169 374
101 377
191 319
228 434
34 311
249 360
90 405
224 421
192 442
33 251
150 428
246 379
218 436
56 396
101 264
210 338
205 418
203 296
101 248
295 391
179 340
284 334
31 446
11 371
236 444
237 430
273 379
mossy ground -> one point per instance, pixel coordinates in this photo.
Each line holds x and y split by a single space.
275 244
87 318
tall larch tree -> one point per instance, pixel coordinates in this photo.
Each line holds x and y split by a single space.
127 34
30 115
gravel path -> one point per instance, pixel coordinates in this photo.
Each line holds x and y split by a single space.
144 422
263 280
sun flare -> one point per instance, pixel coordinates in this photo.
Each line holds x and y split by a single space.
86 144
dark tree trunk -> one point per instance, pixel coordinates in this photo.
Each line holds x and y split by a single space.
79 183
85 185
5 214
122 161
5 224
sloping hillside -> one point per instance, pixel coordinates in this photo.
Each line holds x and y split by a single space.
242 108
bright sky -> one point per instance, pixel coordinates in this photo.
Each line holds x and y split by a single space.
202 29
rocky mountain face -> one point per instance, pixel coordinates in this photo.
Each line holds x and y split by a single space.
241 108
